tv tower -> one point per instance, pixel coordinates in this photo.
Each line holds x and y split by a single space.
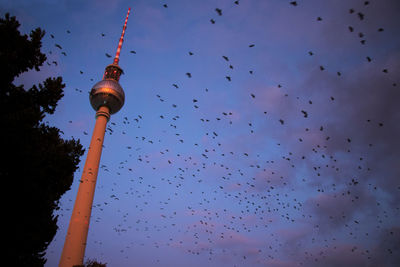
106 97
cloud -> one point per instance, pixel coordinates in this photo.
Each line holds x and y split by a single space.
335 210
338 255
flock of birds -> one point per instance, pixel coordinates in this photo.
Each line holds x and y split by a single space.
219 199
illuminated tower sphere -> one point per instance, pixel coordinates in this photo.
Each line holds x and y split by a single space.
106 97
108 92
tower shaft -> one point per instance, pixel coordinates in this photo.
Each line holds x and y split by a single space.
75 241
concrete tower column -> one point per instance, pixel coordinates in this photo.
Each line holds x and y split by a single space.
75 241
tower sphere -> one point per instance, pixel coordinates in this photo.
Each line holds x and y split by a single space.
107 93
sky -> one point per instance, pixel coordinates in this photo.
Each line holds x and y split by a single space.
280 149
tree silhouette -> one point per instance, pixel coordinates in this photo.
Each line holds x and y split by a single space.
38 166
92 263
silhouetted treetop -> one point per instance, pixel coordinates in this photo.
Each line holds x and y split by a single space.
39 165
19 52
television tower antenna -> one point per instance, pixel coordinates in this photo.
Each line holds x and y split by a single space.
106 97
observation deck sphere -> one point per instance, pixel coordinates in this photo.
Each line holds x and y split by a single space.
107 93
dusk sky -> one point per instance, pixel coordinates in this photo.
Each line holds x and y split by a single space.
278 146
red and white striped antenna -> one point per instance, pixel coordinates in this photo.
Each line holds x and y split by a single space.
121 40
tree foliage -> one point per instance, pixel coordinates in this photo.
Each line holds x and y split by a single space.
39 164
92 263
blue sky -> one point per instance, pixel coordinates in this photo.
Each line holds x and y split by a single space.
197 187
